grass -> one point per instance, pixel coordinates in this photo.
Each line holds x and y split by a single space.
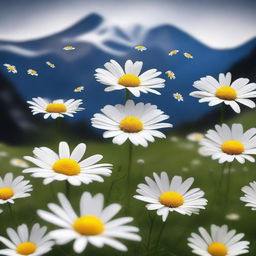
175 155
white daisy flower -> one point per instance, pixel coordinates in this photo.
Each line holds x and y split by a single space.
173 52
174 139
94 224
67 165
219 242
139 123
79 89
25 242
51 65
115 78
140 161
170 74
216 92
140 48
165 196
195 136
178 96
32 72
19 163
11 189
11 68
249 195
69 48
195 162
232 216
3 154
229 144
56 108
188 55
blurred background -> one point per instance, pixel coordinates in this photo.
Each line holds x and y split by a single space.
219 34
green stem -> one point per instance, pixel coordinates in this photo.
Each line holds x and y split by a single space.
222 113
67 189
152 220
127 94
10 210
221 177
13 217
228 187
130 149
113 183
129 167
160 235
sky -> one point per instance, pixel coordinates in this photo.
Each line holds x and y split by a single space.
220 24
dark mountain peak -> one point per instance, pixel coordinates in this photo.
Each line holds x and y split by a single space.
88 23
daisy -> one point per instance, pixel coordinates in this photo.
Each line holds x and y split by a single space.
195 162
170 74
165 196
178 96
67 165
139 123
11 188
219 242
216 92
94 224
173 52
56 108
140 48
32 72
229 144
249 195
25 242
174 139
51 65
11 68
232 216
188 55
195 136
79 89
115 78
3 154
19 163
140 161
69 48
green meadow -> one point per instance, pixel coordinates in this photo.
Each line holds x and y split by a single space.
175 155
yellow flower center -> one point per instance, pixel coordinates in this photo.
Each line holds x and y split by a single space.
131 124
171 199
6 193
26 248
198 137
69 48
56 108
217 249
232 147
32 71
88 225
226 93
188 55
129 80
66 166
11 68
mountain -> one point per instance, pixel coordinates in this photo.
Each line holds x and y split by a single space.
97 43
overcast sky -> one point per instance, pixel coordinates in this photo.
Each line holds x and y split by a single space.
217 23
